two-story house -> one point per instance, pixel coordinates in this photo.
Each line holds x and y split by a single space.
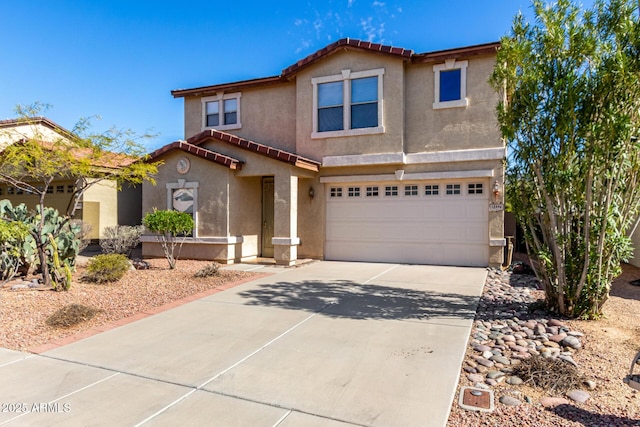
360 152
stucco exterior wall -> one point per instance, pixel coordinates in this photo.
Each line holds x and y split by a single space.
105 194
28 131
393 110
311 219
474 126
267 115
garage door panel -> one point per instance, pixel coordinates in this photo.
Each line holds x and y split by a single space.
423 229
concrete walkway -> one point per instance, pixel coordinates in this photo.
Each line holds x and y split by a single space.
328 344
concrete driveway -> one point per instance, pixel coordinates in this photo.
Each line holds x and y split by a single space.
327 344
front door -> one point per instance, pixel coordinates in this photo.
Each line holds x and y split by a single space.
267 217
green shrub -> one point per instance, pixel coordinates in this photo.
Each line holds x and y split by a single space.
171 228
212 269
106 268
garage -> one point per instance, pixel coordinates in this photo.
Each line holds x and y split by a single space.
419 222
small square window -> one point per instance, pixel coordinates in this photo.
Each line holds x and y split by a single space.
430 190
354 192
372 191
453 189
475 188
49 190
450 89
10 190
336 191
59 188
70 188
0 191
410 190
391 190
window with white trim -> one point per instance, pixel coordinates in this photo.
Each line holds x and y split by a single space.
453 189
221 111
410 190
450 81
353 192
59 188
372 191
431 190
336 192
391 190
182 196
475 188
347 104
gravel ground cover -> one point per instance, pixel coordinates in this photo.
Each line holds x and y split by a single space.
510 327
23 313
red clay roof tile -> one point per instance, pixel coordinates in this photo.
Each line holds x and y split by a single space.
254 147
203 153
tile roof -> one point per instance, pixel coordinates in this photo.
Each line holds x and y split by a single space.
288 73
203 153
262 149
9 123
346 43
461 52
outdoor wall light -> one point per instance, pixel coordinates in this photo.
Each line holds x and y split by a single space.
496 190
311 192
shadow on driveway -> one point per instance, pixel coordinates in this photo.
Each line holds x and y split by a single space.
347 299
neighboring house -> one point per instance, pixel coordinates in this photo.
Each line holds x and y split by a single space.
102 204
359 152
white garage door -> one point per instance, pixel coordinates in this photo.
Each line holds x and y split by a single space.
425 222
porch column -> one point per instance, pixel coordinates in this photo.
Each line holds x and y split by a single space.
285 227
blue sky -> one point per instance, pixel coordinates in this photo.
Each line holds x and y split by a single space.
120 59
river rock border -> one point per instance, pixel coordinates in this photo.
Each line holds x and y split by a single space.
507 329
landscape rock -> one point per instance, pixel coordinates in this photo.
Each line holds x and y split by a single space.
553 401
510 401
578 395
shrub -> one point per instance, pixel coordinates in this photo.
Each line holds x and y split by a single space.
212 269
552 375
171 228
70 315
106 268
121 239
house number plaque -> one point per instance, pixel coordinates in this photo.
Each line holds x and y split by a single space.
496 207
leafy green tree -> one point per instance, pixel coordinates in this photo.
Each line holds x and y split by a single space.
171 228
33 160
571 98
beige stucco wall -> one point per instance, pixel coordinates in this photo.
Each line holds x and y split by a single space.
28 131
55 200
267 115
393 98
105 194
474 126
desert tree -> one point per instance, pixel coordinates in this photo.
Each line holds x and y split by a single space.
570 82
32 159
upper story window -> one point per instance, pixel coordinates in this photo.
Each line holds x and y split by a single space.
221 111
347 104
450 84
